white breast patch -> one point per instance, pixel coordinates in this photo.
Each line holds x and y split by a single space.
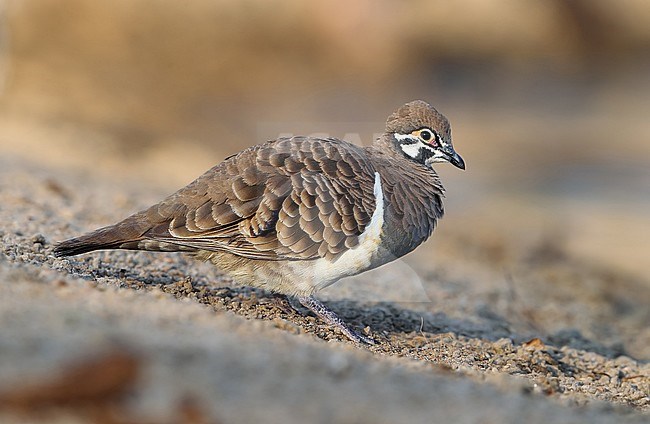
321 273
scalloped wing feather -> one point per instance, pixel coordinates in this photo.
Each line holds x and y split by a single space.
290 199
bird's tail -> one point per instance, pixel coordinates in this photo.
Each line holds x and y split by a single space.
123 235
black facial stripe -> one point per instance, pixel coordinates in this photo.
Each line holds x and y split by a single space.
426 153
416 149
424 150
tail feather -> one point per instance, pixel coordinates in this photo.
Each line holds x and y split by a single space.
97 240
123 235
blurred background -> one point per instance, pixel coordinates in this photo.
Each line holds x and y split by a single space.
549 101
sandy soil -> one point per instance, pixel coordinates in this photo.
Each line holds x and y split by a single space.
530 303
136 337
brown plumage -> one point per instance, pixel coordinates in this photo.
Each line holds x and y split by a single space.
296 214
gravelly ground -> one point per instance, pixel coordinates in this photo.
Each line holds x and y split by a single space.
139 337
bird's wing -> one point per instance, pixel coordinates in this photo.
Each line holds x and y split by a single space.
294 198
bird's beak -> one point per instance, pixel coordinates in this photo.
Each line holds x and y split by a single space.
455 159
446 153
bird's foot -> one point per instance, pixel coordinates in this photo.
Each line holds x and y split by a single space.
332 319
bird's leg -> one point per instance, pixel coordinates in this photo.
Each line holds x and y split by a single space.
331 318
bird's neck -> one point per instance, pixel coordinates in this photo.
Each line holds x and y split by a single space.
386 145
413 194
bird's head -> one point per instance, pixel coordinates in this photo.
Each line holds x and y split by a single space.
423 134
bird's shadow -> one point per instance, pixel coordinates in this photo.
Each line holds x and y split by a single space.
388 322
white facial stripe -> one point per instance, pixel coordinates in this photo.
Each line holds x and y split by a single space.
402 137
413 149
438 157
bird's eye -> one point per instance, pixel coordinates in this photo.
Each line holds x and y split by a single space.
426 135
